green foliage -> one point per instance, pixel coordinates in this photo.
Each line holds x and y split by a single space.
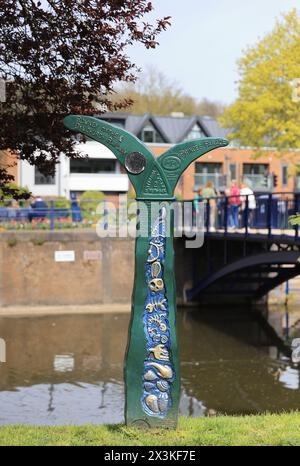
38 241
266 112
179 196
260 430
12 242
60 202
13 190
90 207
294 219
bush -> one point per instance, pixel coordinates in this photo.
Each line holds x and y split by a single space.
90 207
294 219
20 193
60 202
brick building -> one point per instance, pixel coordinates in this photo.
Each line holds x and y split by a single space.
102 172
267 173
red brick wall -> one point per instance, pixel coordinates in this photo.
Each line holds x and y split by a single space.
9 161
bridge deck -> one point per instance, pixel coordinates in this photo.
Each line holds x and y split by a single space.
287 236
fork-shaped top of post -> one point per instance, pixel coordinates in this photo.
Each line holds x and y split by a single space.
151 177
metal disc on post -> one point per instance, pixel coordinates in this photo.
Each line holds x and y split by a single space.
135 163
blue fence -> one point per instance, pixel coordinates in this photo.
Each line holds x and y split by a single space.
51 214
267 213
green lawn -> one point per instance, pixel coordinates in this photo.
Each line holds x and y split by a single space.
269 429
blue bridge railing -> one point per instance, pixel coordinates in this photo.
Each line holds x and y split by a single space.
265 213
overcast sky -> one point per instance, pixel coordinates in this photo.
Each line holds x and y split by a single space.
205 40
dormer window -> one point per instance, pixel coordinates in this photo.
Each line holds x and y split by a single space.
195 133
150 134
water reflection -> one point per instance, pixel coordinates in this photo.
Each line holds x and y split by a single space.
69 369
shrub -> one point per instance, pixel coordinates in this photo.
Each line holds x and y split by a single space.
60 202
90 207
20 192
294 219
12 242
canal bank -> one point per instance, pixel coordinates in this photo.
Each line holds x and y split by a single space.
76 267
31 311
263 430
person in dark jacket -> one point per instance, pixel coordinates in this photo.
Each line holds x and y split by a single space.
39 209
75 207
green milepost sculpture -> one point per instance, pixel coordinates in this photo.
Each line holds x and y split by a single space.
152 377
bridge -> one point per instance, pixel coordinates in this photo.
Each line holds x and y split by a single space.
248 249
241 263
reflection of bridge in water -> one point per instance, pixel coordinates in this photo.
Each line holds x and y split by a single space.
243 262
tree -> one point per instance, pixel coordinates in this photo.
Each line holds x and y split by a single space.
210 108
154 92
59 57
266 112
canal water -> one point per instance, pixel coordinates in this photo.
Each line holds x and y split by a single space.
69 369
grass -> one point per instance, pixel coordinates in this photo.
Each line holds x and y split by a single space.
268 429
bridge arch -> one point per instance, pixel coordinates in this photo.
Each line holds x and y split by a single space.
256 274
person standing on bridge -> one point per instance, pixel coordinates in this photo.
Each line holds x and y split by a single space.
198 199
209 195
247 193
234 202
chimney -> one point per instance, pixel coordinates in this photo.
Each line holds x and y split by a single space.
177 114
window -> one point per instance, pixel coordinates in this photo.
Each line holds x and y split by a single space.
39 178
93 166
149 134
209 171
195 133
255 169
232 171
210 168
257 176
284 174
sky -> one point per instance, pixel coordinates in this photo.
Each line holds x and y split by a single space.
201 48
